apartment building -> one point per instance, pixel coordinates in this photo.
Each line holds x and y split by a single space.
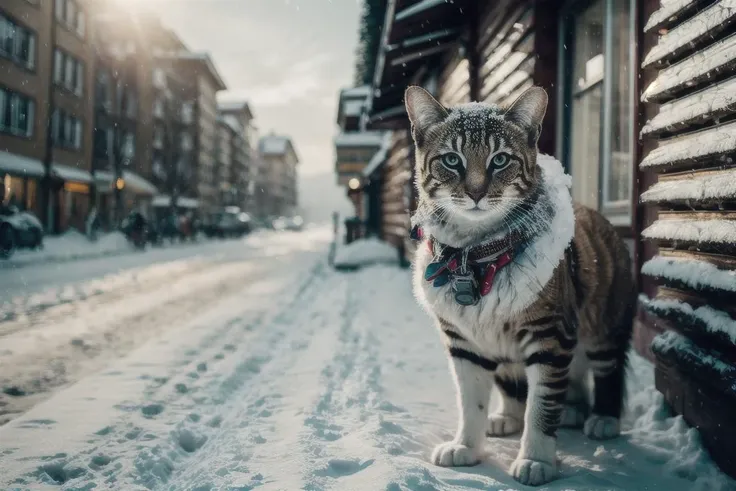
244 170
279 183
38 39
123 113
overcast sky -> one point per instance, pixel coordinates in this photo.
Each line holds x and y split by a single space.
288 58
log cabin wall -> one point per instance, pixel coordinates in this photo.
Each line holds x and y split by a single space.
693 140
395 223
454 79
506 51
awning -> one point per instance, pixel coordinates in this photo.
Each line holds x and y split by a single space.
133 181
69 173
164 201
18 165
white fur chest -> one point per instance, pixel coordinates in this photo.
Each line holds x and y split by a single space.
516 286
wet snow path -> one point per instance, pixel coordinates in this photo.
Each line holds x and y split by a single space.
305 378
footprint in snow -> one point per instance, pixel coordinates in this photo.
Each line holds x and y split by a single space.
152 410
342 468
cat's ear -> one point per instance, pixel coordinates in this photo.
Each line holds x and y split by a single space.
424 111
528 111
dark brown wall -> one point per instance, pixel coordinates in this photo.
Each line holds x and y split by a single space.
30 83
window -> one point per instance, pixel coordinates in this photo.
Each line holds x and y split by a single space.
158 137
158 107
16 113
68 72
66 130
186 141
17 43
102 93
99 144
130 104
128 150
159 78
596 139
71 15
187 113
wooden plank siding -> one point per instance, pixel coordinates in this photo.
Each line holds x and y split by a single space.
690 143
395 203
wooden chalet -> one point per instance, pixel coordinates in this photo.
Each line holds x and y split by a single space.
642 114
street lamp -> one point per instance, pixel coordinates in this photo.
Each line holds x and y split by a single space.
119 183
354 183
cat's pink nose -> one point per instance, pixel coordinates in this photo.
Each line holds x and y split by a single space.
476 195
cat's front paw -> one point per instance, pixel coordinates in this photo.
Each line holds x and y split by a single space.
451 454
532 472
503 424
600 427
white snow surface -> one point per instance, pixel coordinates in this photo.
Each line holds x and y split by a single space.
363 252
697 145
691 30
697 274
297 377
698 187
704 231
716 321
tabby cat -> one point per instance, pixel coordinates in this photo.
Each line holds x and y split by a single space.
531 293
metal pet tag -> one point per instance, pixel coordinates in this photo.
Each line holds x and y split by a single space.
466 289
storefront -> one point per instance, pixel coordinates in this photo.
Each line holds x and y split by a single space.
20 177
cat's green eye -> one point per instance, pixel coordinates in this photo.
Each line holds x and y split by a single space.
500 161
451 161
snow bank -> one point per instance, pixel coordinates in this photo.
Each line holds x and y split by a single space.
72 245
712 320
364 252
694 273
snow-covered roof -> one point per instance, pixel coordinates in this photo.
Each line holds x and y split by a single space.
235 106
202 57
274 145
360 91
418 8
359 139
20 165
379 157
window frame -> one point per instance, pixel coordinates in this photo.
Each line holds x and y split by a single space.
619 212
11 103
14 55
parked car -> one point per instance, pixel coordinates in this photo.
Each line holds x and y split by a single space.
18 229
279 223
230 222
295 223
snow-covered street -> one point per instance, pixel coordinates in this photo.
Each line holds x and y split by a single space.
251 364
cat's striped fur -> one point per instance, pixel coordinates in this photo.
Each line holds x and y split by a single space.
561 310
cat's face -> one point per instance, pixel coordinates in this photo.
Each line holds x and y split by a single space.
476 163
